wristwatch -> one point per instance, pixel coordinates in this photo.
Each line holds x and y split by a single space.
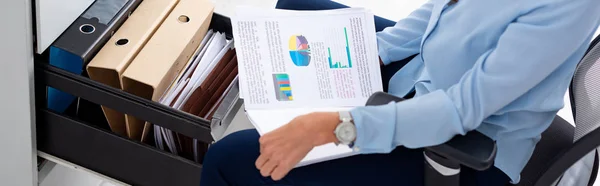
346 130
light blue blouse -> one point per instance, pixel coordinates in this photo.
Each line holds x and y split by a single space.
501 67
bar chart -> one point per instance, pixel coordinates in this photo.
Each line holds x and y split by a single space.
336 63
283 90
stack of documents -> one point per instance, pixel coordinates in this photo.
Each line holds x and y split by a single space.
199 89
296 62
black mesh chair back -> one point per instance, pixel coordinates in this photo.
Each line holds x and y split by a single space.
561 149
585 91
563 144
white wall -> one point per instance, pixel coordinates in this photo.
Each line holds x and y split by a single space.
17 163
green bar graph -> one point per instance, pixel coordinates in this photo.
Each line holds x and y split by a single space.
338 64
348 48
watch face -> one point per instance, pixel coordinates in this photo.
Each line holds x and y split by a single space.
347 132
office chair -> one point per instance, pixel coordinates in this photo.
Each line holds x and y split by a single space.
562 145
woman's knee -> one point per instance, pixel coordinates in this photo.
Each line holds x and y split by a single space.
234 150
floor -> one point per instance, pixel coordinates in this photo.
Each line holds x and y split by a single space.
390 9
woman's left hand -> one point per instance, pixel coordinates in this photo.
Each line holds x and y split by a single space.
283 148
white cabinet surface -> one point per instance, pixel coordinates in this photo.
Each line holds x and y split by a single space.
53 17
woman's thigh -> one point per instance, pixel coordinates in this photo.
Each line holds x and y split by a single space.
231 162
232 159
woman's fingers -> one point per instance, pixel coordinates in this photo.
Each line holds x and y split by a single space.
279 173
269 166
282 149
260 162
282 169
287 163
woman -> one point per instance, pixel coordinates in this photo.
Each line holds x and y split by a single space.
499 67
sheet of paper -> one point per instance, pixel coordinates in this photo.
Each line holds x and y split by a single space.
177 87
209 68
189 65
194 61
170 141
194 64
266 121
167 134
243 10
169 100
296 59
158 138
217 44
161 134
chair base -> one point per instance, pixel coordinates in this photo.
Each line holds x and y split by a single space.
440 171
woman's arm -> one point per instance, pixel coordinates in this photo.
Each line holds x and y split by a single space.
404 39
529 50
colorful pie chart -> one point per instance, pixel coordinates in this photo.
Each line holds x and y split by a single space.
299 50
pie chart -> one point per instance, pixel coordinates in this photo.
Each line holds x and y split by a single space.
299 50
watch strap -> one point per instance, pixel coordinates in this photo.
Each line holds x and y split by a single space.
345 116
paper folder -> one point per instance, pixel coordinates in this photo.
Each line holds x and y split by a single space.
112 60
222 75
186 143
205 93
81 41
219 91
201 93
216 113
164 56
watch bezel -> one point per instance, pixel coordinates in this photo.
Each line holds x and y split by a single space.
346 122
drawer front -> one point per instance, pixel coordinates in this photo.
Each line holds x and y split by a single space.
111 155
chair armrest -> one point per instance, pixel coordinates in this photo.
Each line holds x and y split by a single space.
473 150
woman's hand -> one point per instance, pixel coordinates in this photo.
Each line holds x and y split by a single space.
283 148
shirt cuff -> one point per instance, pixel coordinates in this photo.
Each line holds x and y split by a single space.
383 52
375 127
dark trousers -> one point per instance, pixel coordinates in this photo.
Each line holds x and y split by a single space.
230 161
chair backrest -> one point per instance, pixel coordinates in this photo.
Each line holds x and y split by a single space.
556 139
585 104
585 92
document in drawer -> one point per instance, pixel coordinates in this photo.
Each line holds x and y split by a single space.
218 92
163 135
201 94
165 55
215 47
209 61
82 40
112 60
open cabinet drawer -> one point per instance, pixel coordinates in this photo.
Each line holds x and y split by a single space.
98 149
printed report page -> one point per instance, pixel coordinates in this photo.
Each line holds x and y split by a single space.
299 59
